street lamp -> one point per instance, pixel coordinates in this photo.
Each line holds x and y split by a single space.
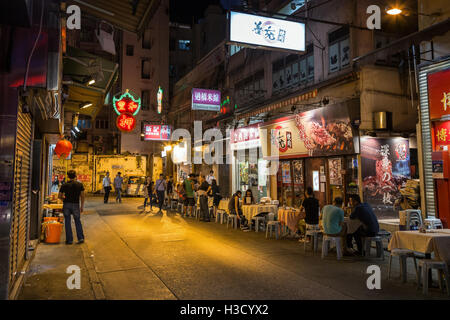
395 11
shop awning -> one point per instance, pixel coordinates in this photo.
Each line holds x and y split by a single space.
79 66
130 15
405 43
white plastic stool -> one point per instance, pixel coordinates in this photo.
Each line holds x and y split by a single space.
257 220
273 225
367 245
233 219
425 265
434 223
315 235
402 254
327 240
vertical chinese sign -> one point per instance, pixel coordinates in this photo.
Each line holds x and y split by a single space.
126 105
385 169
159 98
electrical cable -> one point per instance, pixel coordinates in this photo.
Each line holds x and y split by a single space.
32 50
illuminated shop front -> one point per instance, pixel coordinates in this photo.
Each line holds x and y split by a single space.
249 169
316 149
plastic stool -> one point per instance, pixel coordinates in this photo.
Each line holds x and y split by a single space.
273 225
233 219
434 223
315 242
257 220
327 240
367 245
219 215
425 265
402 254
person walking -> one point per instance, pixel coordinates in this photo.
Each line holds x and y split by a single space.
214 191
169 190
148 193
106 186
118 181
189 201
160 187
72 194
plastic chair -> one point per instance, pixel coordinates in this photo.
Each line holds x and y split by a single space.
413 216
257 220
427 264
315 235
233 219
327 241
434 223
273 225
367 245
403 254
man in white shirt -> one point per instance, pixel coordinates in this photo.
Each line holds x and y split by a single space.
210 177
118 181
106 186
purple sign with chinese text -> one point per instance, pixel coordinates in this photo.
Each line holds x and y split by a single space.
204 99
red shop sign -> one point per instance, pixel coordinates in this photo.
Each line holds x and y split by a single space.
439 94
442 133
126 122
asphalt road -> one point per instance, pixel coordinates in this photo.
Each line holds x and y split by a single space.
129 254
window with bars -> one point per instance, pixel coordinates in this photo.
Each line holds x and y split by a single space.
339 49
101 124
145 69
146 40
145 100
130 50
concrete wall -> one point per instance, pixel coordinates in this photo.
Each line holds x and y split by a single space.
159 76
441 44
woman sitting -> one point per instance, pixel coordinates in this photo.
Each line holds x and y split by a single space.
248 198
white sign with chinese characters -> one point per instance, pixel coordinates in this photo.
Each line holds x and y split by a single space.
268 32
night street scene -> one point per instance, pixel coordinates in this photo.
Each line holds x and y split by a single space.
225 158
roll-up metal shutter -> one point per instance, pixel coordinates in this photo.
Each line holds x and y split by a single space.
21 200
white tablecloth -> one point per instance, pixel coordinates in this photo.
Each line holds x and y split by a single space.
252 210
437 241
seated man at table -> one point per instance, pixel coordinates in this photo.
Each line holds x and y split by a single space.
234 207
369 222
333 220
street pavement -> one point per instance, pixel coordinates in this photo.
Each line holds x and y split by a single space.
130 254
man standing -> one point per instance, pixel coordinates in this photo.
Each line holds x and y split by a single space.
202 193
189 201
310 206
369 222
71 193
106 186
160 186
118 181
210 177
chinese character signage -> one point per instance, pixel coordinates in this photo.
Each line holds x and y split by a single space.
245 138
439 94
385 169
268 32
126 122
204 99
159 98
157 132
441 133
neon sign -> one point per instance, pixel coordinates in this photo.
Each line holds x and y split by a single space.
127 103
159 97
126 122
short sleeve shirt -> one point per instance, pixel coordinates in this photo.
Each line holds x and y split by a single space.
72 191
311 206
188 188
332 217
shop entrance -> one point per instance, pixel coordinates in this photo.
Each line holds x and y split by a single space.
315 174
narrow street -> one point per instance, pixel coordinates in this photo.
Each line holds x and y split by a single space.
129 254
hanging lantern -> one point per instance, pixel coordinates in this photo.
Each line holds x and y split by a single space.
63 148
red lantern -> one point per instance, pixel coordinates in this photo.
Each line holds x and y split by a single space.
126 122
63 148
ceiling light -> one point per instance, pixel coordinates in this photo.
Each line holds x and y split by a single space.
85 105
91 82
393 11
76 129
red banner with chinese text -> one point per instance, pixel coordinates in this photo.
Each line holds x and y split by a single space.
439 94
441 133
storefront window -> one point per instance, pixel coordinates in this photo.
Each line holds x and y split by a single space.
252 176
299 189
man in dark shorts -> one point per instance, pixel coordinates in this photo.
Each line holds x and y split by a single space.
189 202
71 193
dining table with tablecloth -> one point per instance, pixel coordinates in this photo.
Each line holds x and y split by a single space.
352 224
435 241
290 217
251 210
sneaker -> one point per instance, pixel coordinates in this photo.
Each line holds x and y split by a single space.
80 241
69 242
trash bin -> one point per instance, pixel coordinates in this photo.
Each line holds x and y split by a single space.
52 232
